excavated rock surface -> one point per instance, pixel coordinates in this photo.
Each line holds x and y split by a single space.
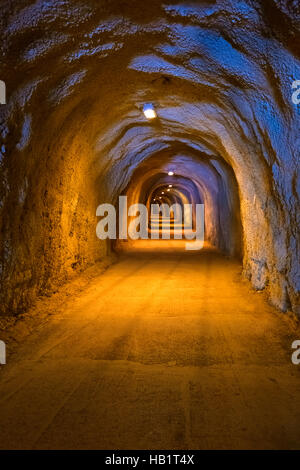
73 133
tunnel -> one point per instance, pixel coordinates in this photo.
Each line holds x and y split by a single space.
220 80
196 179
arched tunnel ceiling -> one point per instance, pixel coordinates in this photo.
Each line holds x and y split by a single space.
73 133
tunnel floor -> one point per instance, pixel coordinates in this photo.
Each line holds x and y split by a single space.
161 351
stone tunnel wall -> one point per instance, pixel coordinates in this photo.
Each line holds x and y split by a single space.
73 133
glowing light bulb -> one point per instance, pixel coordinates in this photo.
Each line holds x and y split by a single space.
170 173
168 190
149 111
170 185
162 192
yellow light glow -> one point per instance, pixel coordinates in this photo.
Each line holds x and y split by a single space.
149 111
170 185
170 173
162 192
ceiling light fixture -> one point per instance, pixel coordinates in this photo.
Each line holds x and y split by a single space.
170 173
149 111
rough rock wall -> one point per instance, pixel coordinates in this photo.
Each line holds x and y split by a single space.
72 134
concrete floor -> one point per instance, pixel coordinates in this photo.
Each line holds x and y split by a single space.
162 351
